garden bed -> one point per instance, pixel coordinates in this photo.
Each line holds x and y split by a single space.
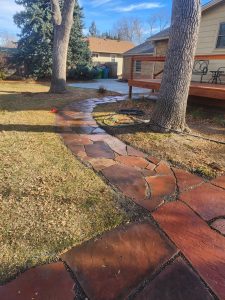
198 152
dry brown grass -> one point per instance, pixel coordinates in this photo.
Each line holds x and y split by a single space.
195 154
49 200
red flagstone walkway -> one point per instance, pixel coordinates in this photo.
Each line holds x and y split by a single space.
178 256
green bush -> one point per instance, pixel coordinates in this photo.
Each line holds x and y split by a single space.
83 73
2 75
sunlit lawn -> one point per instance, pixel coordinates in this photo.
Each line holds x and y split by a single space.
49 200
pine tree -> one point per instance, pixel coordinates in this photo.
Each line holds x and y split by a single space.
93 31
79 53
35 44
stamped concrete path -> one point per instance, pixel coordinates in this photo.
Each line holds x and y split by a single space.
179 255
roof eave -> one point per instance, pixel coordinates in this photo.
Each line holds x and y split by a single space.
210 5
160 39
138 54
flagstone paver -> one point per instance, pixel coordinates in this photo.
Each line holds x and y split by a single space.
100 164
219 225
219 181
51 281
134 161
128 180
176 282
110 267
135 152
99 150
115 265
203 247
207 200
162 186
163 169
186 180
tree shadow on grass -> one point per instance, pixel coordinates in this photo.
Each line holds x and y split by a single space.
15 101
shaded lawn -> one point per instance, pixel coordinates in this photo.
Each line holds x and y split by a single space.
192 153
49 200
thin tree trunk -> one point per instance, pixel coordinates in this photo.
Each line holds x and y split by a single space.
62 27
170 110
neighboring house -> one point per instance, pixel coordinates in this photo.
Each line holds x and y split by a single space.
140 70
7 52
211 39
5 56
110 52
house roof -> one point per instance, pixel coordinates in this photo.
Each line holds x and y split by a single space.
211 4
164 34
109 46
8 51
145 48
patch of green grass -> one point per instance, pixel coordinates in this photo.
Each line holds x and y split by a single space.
49 200
205 171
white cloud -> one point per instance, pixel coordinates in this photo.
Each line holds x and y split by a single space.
97 3
140 6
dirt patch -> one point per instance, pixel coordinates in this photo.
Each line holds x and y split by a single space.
198 152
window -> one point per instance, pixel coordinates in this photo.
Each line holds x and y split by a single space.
113 58
138 66
94 55
221 37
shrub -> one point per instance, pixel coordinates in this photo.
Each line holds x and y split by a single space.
2 75
102 90
83 73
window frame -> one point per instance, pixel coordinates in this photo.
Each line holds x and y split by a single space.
113 58
138 70
95 55
220 35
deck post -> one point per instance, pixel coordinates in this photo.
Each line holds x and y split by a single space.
130 91
131 77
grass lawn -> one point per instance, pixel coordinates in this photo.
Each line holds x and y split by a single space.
196 154
49 200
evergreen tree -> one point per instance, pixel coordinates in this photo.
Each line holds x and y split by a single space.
93 31
79 53
36 39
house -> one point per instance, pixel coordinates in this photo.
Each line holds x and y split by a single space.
5 58
141 70
110 52
211 41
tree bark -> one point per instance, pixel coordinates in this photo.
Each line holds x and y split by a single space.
170 110
63 22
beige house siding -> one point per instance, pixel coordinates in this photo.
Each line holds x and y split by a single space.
208 35
160 49
207 40
126 67
147 69
107 58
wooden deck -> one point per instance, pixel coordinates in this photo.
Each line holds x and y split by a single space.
206 90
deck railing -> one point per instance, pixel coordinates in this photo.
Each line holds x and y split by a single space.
149 58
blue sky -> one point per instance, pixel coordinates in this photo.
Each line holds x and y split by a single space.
104 12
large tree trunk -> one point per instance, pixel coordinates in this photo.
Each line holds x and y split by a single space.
171 107
62 27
